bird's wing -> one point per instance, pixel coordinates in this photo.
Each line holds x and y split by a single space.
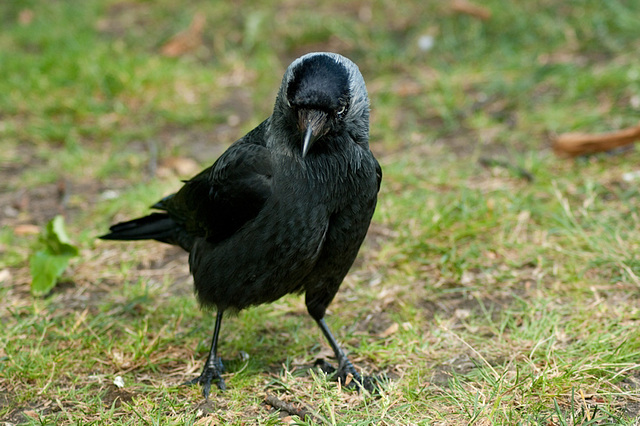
222 198
378 174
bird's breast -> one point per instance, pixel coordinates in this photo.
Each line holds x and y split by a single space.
273 254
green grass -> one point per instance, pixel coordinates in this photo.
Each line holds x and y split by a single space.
485 298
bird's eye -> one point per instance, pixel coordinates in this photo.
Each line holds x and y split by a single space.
341 111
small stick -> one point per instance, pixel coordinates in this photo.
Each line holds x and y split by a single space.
574 144
276 402
492 162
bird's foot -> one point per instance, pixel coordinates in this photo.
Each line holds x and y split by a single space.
347 375
212 372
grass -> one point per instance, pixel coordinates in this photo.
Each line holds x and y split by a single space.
484 297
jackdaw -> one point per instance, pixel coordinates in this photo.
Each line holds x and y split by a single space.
284 209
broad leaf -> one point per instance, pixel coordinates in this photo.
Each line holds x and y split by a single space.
45 269
49 262
56 239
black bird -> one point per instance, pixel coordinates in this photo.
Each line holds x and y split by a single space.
284 209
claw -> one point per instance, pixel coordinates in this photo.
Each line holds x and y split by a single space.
346 369
210 373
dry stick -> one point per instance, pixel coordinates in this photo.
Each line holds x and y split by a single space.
276 402
492 162
574 144
586 407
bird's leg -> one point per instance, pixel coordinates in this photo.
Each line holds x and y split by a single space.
345 367
213 368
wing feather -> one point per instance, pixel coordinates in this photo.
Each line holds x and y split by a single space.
218 201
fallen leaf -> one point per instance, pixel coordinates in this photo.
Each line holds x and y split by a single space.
30 413
187 40
209 419
406 326
468 8
348 379
393 328
462 313
182 166
26 229
25 17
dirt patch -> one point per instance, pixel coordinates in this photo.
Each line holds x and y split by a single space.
5 399
30 413
124 17
34 205
631 383
443 373
116 396
17 416
466 305
632 410
375 323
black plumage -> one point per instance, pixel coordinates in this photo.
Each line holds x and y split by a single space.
284 209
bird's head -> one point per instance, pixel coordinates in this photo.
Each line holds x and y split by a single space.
323 94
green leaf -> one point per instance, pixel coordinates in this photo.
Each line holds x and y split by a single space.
56 239
45 269
49 262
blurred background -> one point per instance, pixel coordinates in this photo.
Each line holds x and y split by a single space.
499 282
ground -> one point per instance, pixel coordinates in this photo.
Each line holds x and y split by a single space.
498 283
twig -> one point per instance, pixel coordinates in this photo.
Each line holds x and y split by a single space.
586 407
279 404
492 162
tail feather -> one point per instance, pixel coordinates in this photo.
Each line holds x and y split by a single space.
156 226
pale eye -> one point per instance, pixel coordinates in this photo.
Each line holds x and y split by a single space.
342 110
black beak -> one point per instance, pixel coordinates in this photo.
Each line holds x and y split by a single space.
312 123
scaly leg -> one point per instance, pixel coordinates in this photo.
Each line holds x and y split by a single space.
213 368
345 367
